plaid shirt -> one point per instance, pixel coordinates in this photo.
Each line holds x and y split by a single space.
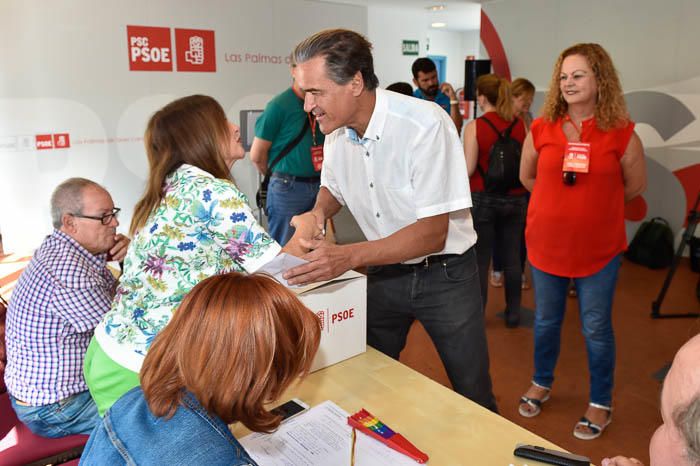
59 299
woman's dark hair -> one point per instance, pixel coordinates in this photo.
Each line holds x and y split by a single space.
401 88
192 130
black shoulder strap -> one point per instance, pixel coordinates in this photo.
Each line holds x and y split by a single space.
504 134
288 148
493 127
2 301
507 132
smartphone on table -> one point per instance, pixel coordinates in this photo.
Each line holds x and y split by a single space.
545 455
290 409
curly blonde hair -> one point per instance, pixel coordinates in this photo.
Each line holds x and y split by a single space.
610 109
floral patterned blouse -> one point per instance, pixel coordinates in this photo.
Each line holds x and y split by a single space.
202 227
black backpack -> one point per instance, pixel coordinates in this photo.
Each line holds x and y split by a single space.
652 245
503 172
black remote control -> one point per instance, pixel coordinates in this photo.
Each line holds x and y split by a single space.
558 458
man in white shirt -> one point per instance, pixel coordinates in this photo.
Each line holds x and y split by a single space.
398 165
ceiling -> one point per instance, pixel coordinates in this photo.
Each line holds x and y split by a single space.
459 15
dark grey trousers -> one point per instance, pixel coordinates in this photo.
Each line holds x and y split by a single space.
445 298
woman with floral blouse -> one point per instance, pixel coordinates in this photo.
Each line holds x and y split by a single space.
191 223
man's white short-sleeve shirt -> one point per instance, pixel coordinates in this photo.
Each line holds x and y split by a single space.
409 165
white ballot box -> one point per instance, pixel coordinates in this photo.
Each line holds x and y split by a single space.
341 305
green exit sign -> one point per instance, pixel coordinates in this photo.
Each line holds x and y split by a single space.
409 47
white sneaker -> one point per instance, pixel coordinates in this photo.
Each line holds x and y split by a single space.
496 279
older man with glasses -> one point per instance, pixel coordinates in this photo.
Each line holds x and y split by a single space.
59 299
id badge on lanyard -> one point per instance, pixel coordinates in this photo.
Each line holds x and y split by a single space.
577 157
316 150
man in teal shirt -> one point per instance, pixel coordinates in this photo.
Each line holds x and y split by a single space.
295 180
425 77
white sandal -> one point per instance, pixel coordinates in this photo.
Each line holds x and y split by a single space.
534 403
596 429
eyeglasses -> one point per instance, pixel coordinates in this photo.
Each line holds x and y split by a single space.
106 219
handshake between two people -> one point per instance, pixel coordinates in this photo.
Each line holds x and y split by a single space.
326 260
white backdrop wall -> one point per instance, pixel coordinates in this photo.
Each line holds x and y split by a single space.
654 47
65 71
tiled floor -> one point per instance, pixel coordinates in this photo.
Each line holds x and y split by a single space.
644 346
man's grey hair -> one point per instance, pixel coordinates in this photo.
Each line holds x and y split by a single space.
67 198
687 419
346 52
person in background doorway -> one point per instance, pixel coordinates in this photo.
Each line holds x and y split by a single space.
425 78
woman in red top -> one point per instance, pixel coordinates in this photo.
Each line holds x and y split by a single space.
499 214
582 161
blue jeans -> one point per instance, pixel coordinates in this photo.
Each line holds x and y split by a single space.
288 196
76 414
595 297
444 297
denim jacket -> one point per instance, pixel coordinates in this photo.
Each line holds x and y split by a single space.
130 434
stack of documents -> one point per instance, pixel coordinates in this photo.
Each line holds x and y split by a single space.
320 437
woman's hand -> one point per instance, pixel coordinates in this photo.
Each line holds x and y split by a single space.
309 227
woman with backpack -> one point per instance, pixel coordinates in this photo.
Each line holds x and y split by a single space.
582 161
492 145
522 91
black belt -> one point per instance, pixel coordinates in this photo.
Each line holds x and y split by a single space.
428 261
303 179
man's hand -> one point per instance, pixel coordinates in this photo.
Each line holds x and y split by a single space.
326 261
118 251
448 90
621 461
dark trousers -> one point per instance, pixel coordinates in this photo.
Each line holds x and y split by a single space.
497 264
500 219
444 297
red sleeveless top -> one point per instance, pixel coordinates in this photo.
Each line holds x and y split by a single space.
487 137
574 231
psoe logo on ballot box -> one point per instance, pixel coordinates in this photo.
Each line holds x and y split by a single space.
149 48
328 318
196 50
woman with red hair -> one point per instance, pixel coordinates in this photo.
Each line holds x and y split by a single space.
235 344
